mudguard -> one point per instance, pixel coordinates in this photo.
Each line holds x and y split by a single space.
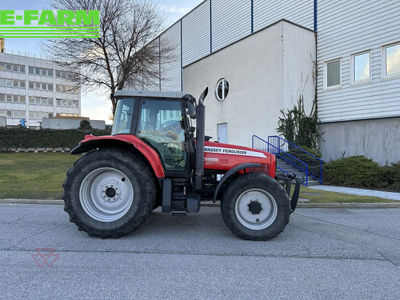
232 171
91 142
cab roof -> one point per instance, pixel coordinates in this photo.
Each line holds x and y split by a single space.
150 94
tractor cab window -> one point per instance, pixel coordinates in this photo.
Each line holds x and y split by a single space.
123 116
161 125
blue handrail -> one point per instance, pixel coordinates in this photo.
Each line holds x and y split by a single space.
312 167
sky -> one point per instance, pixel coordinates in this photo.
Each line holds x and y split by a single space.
95 105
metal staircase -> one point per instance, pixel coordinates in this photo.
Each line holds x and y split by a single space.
291 159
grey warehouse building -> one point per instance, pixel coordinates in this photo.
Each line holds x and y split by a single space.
259 56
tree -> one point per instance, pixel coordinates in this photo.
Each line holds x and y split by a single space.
124 55
299 128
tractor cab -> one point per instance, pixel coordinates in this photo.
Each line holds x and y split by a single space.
160 119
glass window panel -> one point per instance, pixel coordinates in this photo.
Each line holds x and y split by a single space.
22 69
393 60
1 66
50 86
2 97
22 84
9 98
10 83
8 67
50 72
2 82
37 85
333 73
30 84
15 68
30 70
8 113
361 67
15 99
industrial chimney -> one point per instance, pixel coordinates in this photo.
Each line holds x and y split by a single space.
1 45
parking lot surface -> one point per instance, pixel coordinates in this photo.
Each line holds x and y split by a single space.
323 253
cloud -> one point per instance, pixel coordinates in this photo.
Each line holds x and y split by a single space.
96 106
393 60
173 9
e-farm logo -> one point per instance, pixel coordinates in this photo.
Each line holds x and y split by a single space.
49 24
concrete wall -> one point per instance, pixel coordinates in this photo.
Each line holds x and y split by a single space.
266 73
376 139
2 121
49 123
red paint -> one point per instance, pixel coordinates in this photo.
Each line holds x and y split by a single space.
148 152
220 161
212 161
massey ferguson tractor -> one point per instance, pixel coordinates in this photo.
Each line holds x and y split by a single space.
154 158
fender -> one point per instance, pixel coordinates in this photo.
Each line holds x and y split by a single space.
232 171
91 142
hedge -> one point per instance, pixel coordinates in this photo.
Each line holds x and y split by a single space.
44 138
359 171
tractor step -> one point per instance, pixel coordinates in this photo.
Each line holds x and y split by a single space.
179 214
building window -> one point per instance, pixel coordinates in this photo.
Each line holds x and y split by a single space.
361 66
40 71
392 59
333 73
67 103
222 89
12 67
34 100
15 114
40 86
66 89
12 83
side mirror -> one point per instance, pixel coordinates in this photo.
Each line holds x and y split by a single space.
190 105
191 110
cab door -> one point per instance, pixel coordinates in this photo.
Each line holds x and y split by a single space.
161 124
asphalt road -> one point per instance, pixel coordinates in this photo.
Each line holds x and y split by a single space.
322 254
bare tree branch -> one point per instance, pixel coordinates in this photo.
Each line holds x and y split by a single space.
126 55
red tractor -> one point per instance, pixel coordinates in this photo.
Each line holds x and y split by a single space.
153 158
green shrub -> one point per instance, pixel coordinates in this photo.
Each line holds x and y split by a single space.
357 171
85 125
391 177
44 138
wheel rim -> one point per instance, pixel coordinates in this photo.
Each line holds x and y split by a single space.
106 194
256 209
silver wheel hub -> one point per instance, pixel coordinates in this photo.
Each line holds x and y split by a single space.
106 194
256 209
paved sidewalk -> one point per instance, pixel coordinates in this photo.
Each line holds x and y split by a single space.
355 191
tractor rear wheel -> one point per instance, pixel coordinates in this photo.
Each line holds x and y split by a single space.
109 192
255 207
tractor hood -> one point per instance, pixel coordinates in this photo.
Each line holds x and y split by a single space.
218 156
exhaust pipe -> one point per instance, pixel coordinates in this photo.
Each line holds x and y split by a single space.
200 132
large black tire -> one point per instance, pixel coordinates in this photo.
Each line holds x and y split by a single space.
256 183
141 180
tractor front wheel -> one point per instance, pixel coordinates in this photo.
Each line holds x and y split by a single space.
109 192
255 207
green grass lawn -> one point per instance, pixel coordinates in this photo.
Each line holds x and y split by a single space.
40 176
33 175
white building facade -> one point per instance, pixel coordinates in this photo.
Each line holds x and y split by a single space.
33 89
351 64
